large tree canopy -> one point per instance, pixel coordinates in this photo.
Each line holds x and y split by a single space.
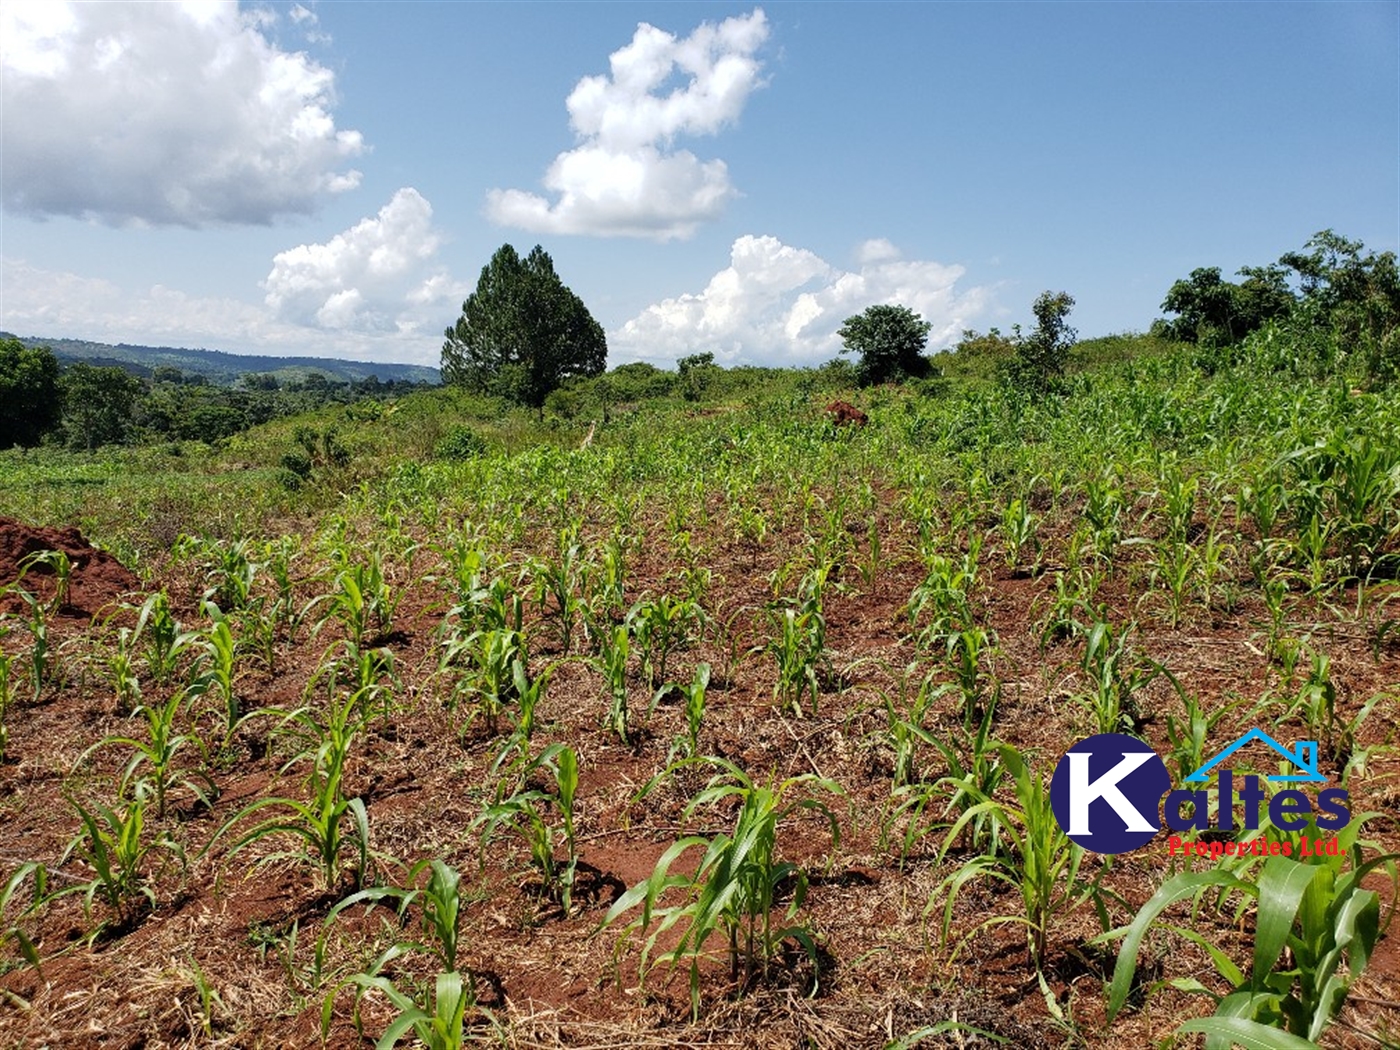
29 392
522 332
890 341
100 404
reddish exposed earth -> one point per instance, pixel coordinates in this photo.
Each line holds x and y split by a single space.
97 578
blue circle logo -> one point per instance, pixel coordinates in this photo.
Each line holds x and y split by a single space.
1106 793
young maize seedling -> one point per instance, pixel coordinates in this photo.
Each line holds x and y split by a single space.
318 824
439 1022
735 887
611 663
965 654
527 696
7 699
1036 858
159 750
229 571
1018 532
659 626
800 655
1174 567
558 585
688 745
1317 915
114 847
1114 678
216 672
61 566
41 655
122 665
164 640
10 929
524 813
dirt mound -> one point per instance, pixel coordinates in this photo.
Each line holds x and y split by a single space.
96 577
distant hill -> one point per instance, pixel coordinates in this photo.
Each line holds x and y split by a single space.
223 368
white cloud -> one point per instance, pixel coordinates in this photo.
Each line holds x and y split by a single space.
47 303
380 275
310 25
780 305
375 292
624 178
162 113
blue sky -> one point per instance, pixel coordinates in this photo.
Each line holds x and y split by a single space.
329 178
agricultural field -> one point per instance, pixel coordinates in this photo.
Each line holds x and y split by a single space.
731 728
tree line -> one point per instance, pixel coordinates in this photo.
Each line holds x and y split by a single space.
86 406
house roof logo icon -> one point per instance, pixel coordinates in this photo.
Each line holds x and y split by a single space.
1303 755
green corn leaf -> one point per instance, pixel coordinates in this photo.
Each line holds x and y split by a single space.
1187 884
1239 1031
1282 885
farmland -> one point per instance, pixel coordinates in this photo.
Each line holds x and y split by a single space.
731 728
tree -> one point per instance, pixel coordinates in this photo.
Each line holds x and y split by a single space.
100 404
1359 295
890 341
1040 357
167 374
522 332
696 374
29 391
1215 312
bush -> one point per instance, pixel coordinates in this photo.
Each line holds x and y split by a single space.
890 341
461 442
1039 363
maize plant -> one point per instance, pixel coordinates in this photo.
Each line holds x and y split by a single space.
159 751
1035 858
1114 679
489 677
7 698
438 1022
939 605
317 828
58 563
659 626
525 813
363 600
1018 533
611 663
217 671
164 640
114 845
688 745
1316 915
734 889
799 650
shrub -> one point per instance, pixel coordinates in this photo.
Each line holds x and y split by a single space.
461 442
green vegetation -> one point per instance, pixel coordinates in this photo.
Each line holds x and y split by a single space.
842 661
29 390
522 332
890 341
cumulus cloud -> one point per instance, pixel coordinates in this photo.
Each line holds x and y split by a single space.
625 178
41 302
163 113
380 275
377 292
775 304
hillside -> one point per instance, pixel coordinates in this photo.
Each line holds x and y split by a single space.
224 368
502 677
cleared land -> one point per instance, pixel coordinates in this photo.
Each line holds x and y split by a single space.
876 607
